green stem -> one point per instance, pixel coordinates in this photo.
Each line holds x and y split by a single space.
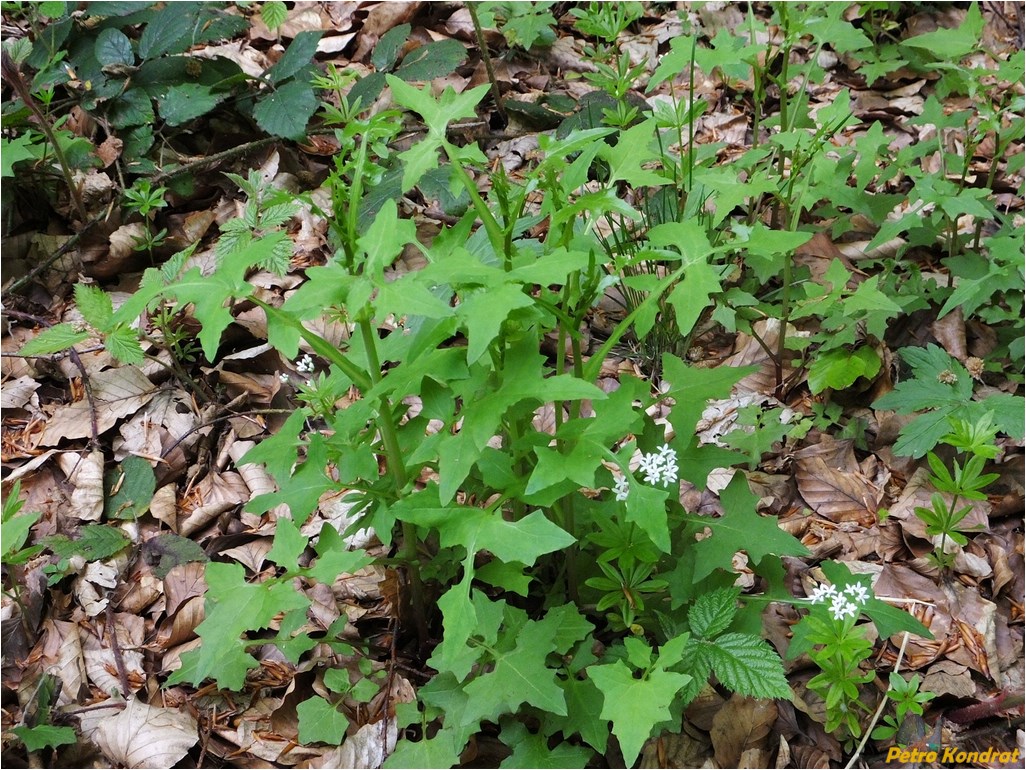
487 59
396 466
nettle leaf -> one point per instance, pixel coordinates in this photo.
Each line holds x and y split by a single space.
167 551
273 13
298 55
166 29
387 50
747 665
53 340
712 612
287 109
432 60
186 102
113 48
95 542
122 342
635 706
132 108
741 528
320 722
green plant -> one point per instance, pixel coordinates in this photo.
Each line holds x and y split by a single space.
839 646
975 441
942 389
524 25
908 701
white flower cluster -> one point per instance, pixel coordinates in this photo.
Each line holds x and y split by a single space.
842 603
305 365
659 467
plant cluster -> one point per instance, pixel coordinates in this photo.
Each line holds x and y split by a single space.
558 588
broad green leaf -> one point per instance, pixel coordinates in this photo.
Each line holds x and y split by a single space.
437 113
288 544
286 110
459 619
840 368
334 558
233 607
741 528
952 44
298 55
712 612
481 529
13 151
484 313
135 483
15 531
303 488
385 239
693 295
747 665
45 736
635 706
693 387
633 150
438 751
584 712
646 507
53 340
320 722
519 676
532 749
113 48
186 102
433 60
554 467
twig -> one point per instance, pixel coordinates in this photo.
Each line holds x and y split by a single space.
119 661
228 154
879 709
487 59
13 74
64 248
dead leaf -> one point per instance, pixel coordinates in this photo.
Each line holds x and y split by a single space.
86 474
146 736
742 724
833 485
116 393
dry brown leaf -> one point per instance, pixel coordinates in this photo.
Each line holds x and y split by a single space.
366 748
742 724
146 736
86 474
116 393
837 490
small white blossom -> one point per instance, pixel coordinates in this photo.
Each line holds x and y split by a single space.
669 474
858 593
668 454
822 592
621 488
284 376
305 364
652 467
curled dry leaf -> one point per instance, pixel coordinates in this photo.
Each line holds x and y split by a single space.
146 736
86 474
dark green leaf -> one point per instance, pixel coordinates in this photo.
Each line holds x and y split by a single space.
113 48
297 56
167 551
432 60
135 483
186 102
286 110
387 50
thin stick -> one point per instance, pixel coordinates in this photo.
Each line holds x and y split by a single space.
879 709
487 59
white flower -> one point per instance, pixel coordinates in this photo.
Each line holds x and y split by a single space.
621 488
669 474
822 592
857 592
842 608
284 376
305 364
652 467
668 454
